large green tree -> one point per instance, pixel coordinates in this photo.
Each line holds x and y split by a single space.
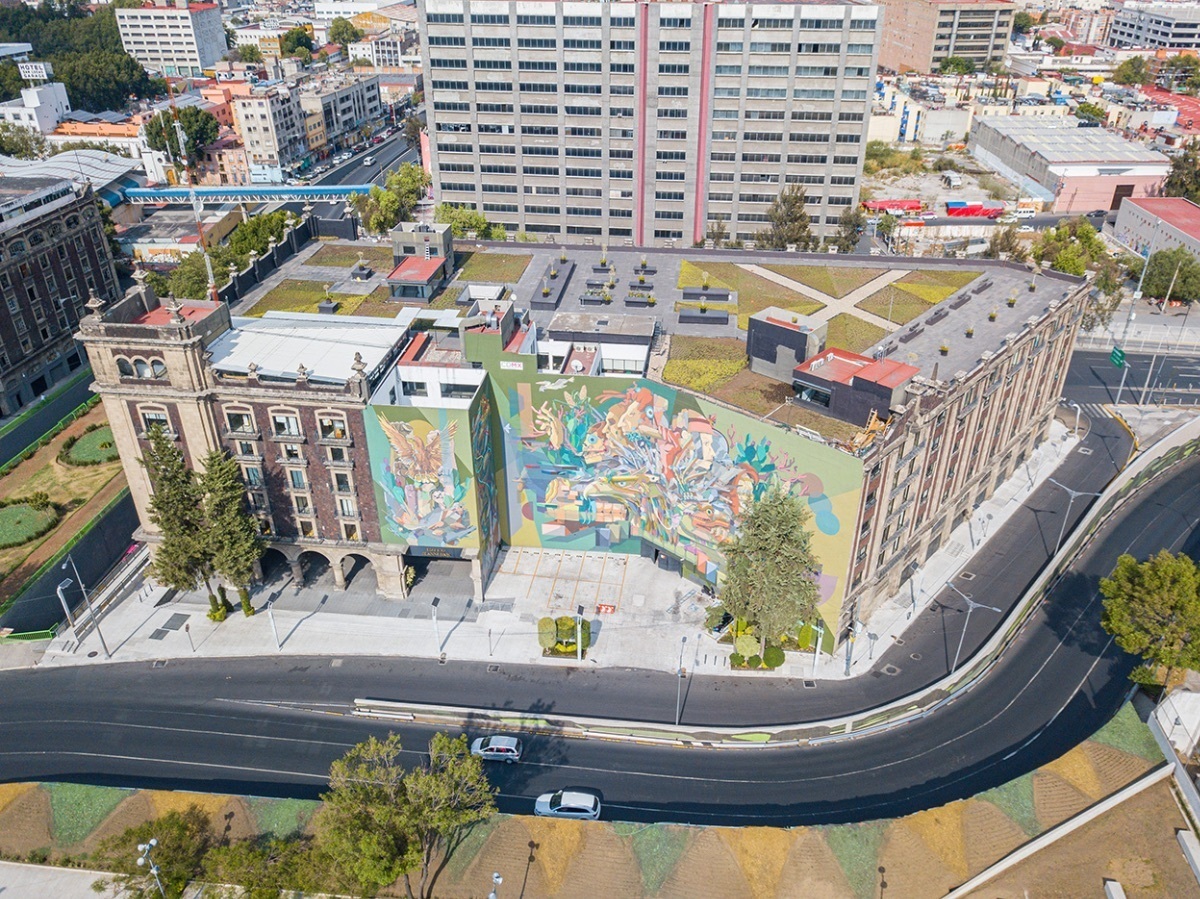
265 868
232 531
22 143
414 127
183 839
250 53
850 228
956 65
103 80
464 219
1005 243
378 209
182 559
1022 22
343 32
1180 73
1184 178
770 571
410 184
1132 71
296 39
789 222
364 825
1175 272
200 128
442 800
1152 609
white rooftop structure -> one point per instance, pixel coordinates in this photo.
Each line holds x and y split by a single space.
279 343
1059 141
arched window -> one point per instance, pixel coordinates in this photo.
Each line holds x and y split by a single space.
72 221
124 369
36 238
141 367
17 246
158 368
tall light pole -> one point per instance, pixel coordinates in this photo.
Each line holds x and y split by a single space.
1137 294
1070 502
88 600
679 682
145 860
971 607
820 633
437 634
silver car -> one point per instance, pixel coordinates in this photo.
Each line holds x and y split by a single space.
497 748
571 803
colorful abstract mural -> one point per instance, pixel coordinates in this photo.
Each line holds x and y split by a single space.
605 463
424 489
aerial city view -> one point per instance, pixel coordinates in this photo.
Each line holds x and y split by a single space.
527 448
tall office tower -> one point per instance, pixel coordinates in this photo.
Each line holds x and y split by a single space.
645 123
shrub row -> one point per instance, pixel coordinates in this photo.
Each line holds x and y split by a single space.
556 636
44 440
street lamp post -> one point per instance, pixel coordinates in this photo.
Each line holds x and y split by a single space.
681 674
145 860
817 645
579 635
1077 409
971 607
88 601
274 630
437 634
66 607
1070 502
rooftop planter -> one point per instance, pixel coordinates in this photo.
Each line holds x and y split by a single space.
641 284
552 285
640 300
702 294
703 316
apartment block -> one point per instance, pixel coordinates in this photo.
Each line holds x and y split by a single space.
271 123
55 256
384 51
345 102
920 34
1174 25
39 108
173 37
646 123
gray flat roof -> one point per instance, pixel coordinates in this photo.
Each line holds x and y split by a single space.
920 342
614 322
1055 140
280 342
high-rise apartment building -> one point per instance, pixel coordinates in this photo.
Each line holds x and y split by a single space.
1173 25
920 34
646 123
173 37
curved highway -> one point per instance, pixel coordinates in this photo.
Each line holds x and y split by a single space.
272 726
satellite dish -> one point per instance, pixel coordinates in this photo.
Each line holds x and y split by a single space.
576 365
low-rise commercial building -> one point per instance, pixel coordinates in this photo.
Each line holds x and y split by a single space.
38 109
270 122
173 37
1072 169
1150 224
920 34
1156 24
346 103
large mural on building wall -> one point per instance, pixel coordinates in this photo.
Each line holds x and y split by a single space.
604 463
483 454
423 474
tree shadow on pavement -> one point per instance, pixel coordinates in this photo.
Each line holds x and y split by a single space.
1072 612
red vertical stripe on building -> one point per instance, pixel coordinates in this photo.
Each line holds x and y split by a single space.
639 162
706 72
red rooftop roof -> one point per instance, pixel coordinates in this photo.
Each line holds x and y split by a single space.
162 316
842 367
1176 211
414 268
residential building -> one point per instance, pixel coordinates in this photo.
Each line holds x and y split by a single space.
646 123
1089 26
328 10
346 102
267 38
385 51
173 37
38 108
1147 224
314 134
398 18
1073 170
919 34
55 255
223 162
1156 24
270 122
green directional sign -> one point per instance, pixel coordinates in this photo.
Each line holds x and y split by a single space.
1117 357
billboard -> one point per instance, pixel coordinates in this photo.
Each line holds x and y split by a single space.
35 71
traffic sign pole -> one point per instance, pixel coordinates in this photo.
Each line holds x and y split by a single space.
1124 375
1117 357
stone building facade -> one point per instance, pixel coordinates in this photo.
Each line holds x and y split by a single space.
53 253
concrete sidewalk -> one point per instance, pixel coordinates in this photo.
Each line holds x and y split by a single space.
652 619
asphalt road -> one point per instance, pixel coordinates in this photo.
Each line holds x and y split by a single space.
1094 379
43 419
271 726
391 153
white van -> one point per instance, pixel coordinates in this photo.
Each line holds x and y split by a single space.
1025 213
370 160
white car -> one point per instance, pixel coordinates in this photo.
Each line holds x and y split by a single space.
1007 219
1025 229
928 215
497 748
582 804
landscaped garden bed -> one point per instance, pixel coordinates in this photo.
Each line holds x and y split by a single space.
833 280
483 267
703 316
753 292
293 295
94 447
346 256
558 636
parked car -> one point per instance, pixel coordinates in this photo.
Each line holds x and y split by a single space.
1025 213
874 220
1007 219
1025 229
497 748
929 215
572 803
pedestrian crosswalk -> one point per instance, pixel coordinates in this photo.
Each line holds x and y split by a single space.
1094 411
